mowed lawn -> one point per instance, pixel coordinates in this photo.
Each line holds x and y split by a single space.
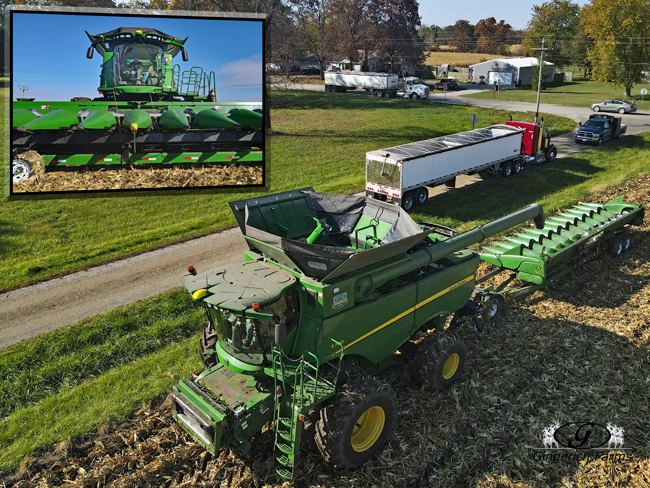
319 140
573 94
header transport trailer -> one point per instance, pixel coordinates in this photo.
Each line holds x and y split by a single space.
403 173
331 287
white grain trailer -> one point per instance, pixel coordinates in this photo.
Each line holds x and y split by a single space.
380 84
402 173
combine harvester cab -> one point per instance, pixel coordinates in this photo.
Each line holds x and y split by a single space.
326 278
149 112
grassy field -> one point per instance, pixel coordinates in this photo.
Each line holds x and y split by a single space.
66 383
326 135
574 94
458 60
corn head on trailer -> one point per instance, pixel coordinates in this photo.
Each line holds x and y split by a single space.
149 112
403 173
326 277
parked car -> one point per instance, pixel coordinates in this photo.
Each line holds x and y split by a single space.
620 106
311 70
449 82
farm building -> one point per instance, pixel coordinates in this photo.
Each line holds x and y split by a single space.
508 71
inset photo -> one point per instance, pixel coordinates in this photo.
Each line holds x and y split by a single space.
116 102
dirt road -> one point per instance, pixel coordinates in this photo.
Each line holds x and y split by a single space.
32 310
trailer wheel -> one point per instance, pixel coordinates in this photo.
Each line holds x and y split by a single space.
208 341
441 361
491 309
422 195
21 170
506 169
616 248
516 166
357 424
408 201
627 243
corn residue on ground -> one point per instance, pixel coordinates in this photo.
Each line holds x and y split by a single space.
576 351
134 177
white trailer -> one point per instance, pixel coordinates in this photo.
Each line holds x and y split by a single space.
380 84
403 173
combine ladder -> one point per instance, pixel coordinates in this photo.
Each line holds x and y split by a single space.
298 385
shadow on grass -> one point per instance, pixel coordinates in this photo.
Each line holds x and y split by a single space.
495 197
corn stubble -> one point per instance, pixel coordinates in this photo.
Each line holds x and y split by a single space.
137 178
577 351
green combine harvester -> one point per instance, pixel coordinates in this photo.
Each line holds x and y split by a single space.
149 112
331 287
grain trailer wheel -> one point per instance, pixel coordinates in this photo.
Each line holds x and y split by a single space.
441 361
516 166
506 169
408 201
422 196
357 424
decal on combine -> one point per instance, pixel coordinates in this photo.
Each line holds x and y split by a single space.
340 301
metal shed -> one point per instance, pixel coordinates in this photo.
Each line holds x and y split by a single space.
509 71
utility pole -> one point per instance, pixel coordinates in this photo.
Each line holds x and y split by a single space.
23 88
539 77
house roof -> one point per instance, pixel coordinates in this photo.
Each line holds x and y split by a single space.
516 62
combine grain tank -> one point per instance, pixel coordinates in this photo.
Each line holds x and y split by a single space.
149 111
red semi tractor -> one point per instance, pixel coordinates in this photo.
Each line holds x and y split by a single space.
402 174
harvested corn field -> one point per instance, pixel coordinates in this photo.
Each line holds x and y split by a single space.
136 177
577 351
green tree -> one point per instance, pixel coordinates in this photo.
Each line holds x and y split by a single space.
620 30
559 22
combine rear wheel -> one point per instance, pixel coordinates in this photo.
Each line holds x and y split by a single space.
21 170
441 361
357 424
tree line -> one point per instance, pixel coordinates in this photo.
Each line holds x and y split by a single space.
488 36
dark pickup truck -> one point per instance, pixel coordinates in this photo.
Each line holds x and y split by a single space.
600 128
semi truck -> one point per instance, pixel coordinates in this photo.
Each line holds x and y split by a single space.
600 128
330 287
379 84
402 174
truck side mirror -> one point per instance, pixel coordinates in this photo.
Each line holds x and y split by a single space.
280 333
89 54
185 56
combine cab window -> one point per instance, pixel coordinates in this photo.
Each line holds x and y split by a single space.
251 340
137 64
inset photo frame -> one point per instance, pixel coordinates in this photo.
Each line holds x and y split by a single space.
105 100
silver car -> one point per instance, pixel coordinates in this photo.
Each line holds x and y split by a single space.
620 106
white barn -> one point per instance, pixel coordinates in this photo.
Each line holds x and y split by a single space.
508 71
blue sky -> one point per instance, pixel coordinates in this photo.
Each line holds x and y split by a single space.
517 13
50 53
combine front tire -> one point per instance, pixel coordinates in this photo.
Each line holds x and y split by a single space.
357 424
441 361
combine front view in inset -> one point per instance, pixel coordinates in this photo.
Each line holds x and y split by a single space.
150 111
331 287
